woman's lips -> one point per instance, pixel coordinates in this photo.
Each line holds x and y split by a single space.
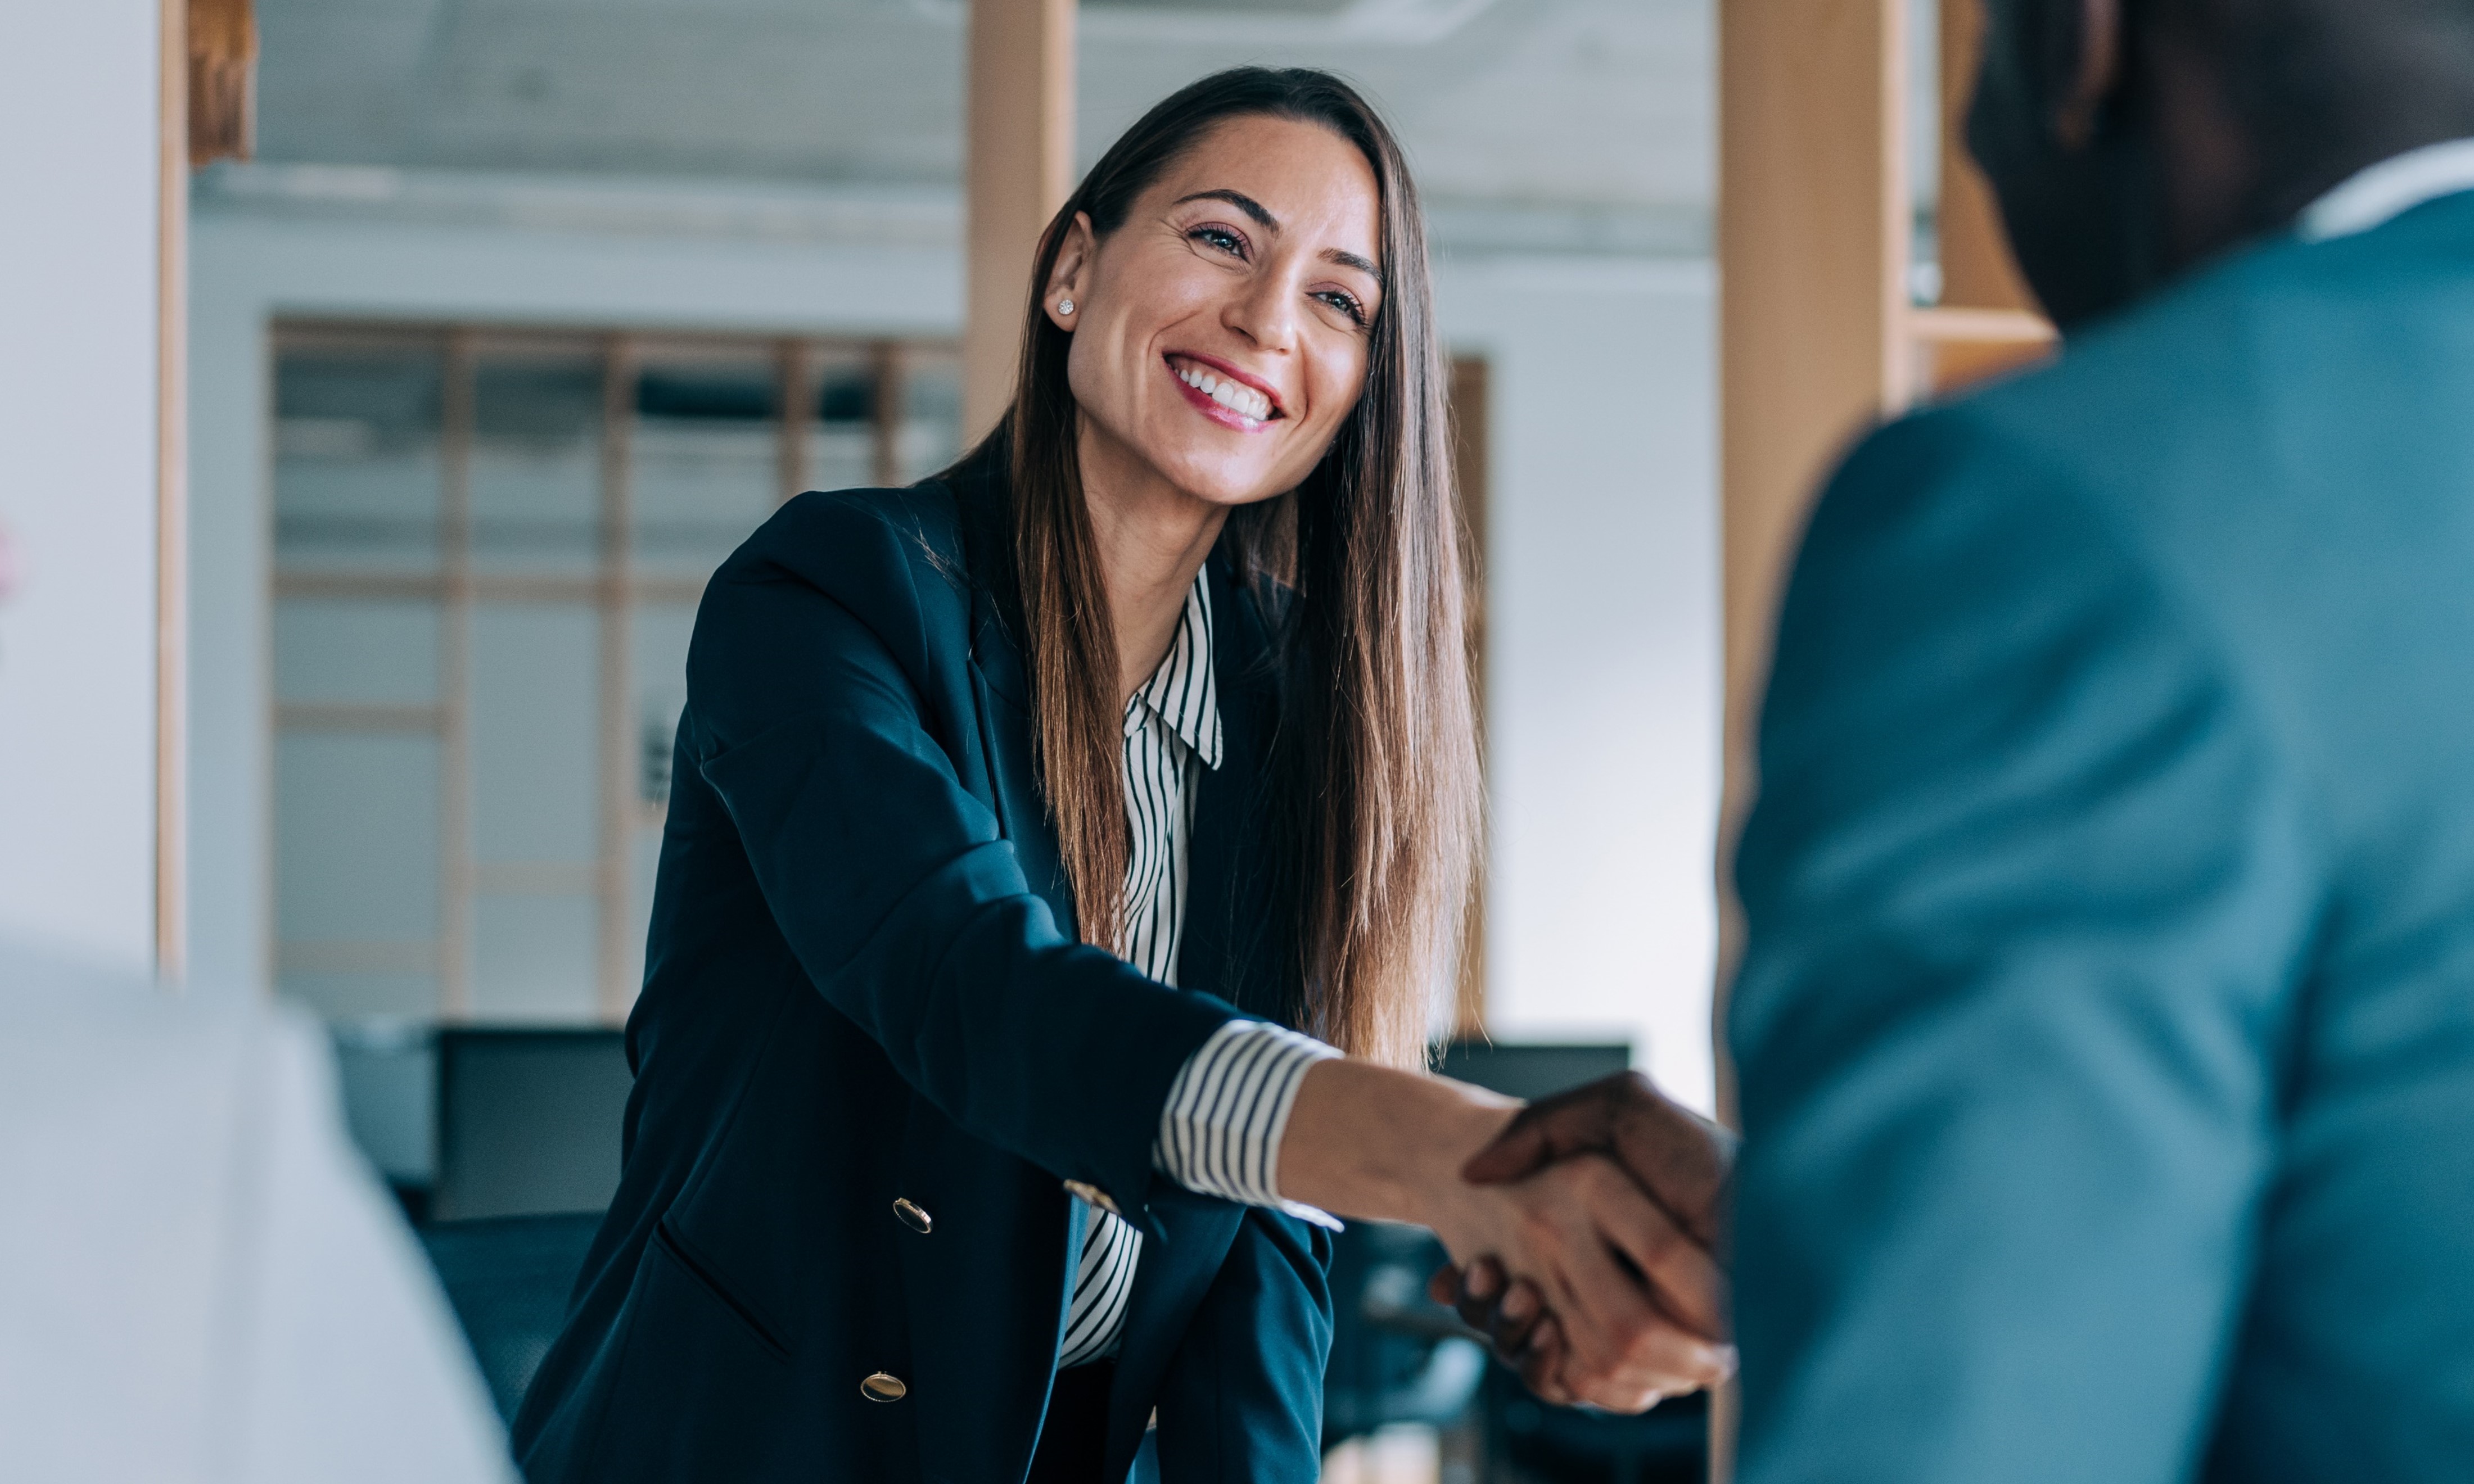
1220 397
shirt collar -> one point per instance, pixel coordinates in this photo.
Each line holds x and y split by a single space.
2394 186
1182 692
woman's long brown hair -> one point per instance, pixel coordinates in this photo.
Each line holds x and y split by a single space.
1375 783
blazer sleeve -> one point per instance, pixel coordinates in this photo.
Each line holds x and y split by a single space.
1241 1398
892 881
2028 901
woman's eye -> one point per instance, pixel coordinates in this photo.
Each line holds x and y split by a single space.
1345 304
1220 237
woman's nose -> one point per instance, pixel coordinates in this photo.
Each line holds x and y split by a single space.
1265 311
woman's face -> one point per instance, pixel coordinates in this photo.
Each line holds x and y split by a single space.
1221 332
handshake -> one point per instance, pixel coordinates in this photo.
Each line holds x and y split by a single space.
1584 1229
1608 1290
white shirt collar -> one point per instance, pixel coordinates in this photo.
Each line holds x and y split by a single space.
1185 692
2390 189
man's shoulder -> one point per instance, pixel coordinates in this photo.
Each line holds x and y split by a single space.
2178 369
2213 375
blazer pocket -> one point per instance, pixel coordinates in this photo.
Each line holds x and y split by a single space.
666 1244
699 1390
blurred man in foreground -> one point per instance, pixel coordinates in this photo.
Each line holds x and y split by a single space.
2106 1028
199 1282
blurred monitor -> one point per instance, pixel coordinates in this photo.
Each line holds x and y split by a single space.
529 1121
1533 1069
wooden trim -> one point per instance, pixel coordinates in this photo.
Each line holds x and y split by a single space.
1470 407
615 778
795 366
172 495
547 337
221 108
455 847
1018 170
1954 326
890 396
484 587
1952 348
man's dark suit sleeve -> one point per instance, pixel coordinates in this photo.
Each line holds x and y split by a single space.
2022 891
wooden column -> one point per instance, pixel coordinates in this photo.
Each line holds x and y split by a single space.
1471 406
1813 236
1019 166
1814 230
172 494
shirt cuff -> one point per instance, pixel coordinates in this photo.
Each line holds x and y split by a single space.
1219 1134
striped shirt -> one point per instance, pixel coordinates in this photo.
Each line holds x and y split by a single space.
1219 1132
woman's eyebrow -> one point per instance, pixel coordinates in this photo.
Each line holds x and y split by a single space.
1272 223
1352 260
1241 202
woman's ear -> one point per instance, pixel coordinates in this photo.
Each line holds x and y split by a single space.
2080 99
1068 277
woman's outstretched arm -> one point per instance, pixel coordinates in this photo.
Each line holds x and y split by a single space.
829 711
1637 1302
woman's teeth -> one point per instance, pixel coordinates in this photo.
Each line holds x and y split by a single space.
1235 396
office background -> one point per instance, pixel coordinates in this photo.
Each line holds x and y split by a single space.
518 313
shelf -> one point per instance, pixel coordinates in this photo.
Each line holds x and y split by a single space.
1955 348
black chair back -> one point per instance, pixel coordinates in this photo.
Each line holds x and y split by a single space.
508 1279
528 1120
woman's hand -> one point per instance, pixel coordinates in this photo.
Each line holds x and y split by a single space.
1638 1307
1682 1161
1627 1310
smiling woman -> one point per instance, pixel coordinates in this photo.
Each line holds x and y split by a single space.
1224 262
1033 832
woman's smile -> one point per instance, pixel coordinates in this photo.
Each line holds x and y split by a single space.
1223 393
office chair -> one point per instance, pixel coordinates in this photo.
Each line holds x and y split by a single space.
508 1279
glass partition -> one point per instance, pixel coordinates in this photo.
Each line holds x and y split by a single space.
488 547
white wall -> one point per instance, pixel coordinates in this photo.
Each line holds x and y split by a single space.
1603 686
78 173
1603 666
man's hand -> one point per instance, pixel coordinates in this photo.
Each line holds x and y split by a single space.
1681 1161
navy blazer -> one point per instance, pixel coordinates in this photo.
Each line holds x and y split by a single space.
861 984
2106 1023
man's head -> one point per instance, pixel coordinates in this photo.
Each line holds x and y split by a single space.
2129 139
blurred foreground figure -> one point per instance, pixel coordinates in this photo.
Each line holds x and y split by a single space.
198 1280
2106 1029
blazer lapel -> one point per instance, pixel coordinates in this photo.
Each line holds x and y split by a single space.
1005 732
1001 684
1228 948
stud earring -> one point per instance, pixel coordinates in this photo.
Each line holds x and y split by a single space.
1065 306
